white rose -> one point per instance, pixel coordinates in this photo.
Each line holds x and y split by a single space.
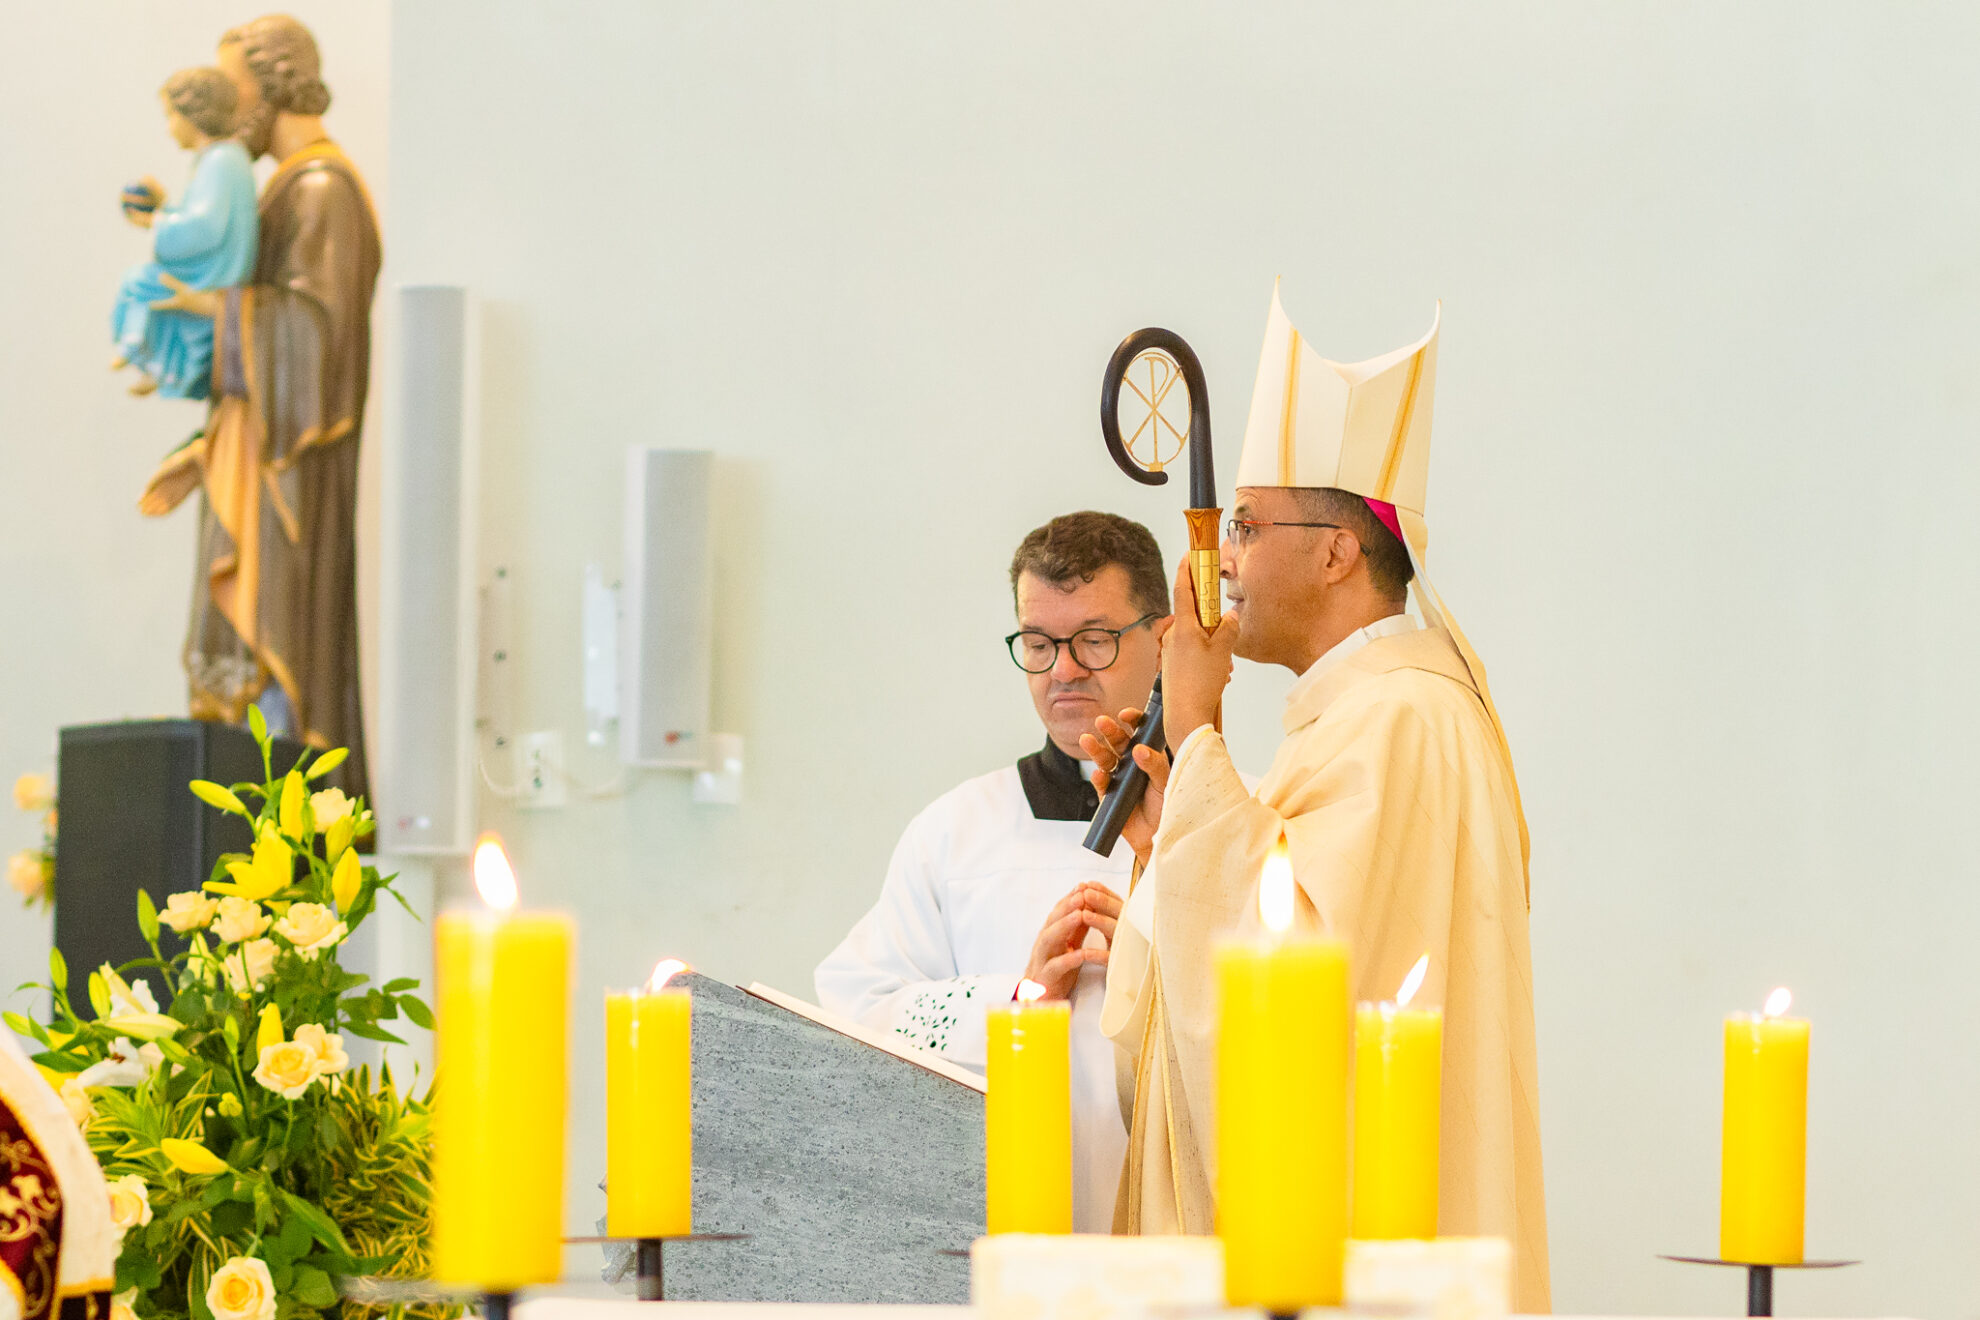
130 1203
286 1068
189 911
311 927
125 1065
250 966
240 919
78 1101
329 807
327 1048
27 872
241 1290
34 792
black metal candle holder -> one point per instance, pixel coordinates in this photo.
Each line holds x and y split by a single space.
497 1305
1760 1278
649 1262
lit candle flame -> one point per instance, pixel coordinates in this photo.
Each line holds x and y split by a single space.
664 971
493 875
1275 890
1413 982
1779 1002
1029 991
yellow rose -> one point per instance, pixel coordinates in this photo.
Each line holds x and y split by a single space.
312 928
241 1290
27 872
240 919
120 1305
189 911
250 966
327 1048
329 807
130 1203
76 1097
286 1069
34 792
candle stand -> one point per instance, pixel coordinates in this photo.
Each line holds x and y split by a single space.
497 1305
649 1265
1760 1278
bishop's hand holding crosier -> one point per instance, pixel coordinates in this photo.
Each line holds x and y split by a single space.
1196 668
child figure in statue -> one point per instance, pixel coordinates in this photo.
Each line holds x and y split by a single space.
205 241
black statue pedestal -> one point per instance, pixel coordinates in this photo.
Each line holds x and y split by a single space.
129 822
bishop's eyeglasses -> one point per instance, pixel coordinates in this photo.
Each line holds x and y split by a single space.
1092 648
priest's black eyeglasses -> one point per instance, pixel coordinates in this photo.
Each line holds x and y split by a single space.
1092 648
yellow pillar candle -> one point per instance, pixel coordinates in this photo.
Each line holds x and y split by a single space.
1282 1059
1398 1081
1763 1172
1027 1116
503 981
649 1166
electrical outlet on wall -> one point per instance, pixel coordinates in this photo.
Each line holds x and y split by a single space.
540 769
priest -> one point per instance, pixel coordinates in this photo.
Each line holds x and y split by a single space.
989 884
1393 788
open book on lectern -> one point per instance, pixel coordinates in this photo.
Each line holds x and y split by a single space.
866 1035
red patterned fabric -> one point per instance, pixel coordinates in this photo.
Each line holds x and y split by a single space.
30 1217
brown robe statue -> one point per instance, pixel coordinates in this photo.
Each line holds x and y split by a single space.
275 590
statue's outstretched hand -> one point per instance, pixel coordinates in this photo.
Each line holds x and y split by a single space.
185 298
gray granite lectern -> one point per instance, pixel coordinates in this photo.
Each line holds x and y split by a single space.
853 1171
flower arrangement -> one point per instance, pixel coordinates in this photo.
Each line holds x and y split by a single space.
32 870
250 1165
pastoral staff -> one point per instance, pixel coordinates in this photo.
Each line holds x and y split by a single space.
1393 787
989 884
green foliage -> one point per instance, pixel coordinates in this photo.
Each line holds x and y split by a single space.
330 1183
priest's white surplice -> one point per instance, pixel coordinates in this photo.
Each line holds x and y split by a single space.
970 885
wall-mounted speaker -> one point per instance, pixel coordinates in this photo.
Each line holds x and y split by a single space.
427 617
666 631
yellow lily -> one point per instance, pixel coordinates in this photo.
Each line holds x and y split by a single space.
191 1157
143 1026
267 872
270 1032
338 837
216 795
327 762
294 797
346 880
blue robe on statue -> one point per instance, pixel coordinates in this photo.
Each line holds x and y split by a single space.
206 241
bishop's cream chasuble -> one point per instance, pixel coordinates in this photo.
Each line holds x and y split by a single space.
1395 792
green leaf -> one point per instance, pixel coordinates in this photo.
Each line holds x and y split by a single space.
313 1287
230 1027
27 1026
399 985
58 970
57 1061
371 1032
416 1010
147 917
320 1225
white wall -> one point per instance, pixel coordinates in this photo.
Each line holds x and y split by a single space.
94 595
1702 484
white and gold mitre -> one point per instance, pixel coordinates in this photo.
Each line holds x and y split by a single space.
1362 427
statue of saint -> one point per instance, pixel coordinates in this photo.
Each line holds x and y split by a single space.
274 614
206 240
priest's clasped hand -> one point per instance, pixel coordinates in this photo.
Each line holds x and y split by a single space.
1061 949
1196 664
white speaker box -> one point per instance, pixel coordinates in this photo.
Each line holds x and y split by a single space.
668 607
428 602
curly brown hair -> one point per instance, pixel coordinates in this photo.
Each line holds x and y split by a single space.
1078 545
281 54
206 97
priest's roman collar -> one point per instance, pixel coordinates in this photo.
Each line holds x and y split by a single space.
1054 786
